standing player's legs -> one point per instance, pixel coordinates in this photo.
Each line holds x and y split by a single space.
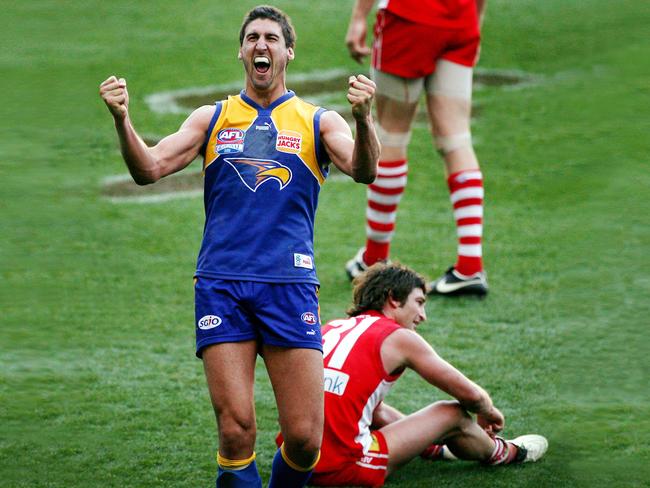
297 378
399 64
288 322
449 101
230 373
396 102
226 342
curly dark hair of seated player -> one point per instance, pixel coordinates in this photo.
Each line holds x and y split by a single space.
381 281
274 14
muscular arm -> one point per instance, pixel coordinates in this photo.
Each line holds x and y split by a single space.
355 38
405 348
356 157
171 154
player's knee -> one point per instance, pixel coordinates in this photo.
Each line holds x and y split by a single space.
303 437
236 432
452 411
453 142
395 140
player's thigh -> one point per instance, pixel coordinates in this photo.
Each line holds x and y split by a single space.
408 437
449 116
394 127
395 115
449 97
297 378
230 373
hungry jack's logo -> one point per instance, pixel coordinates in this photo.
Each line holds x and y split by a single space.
254 172
289 141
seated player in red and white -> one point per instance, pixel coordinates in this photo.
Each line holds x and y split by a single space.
365 440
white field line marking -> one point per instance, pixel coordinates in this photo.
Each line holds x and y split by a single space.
166 101
164 196
113 179
158 197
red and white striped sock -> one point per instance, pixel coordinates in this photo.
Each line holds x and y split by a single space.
384 195
504 452
433 452
466 193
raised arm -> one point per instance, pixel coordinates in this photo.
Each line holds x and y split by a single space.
173 153
355 39
356 157
406 348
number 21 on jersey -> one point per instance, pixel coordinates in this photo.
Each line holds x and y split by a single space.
337 348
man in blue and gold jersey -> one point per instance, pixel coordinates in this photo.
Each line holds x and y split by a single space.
266 155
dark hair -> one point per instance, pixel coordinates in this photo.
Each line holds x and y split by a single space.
274 14
383 281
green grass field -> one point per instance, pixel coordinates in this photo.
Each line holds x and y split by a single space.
98 381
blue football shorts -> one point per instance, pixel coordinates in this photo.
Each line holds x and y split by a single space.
276 314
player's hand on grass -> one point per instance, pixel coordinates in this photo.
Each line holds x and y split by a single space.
356 40
361 91
115 95
491 421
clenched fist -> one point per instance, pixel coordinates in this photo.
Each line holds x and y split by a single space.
361 91
116 97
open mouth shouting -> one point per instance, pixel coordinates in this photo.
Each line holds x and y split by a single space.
262 64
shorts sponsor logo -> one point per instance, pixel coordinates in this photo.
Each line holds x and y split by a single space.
229 141
209 322
309 318
335 381
303 261
289 141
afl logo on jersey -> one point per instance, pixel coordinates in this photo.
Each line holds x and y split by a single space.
309 318
229 140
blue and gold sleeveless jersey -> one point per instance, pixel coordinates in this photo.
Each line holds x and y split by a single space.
263 171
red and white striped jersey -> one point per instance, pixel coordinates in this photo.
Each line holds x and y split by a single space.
355 383
450 14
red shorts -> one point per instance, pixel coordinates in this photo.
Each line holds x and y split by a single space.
368 470
410 50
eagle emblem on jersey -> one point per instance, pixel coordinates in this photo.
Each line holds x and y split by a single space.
255 172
